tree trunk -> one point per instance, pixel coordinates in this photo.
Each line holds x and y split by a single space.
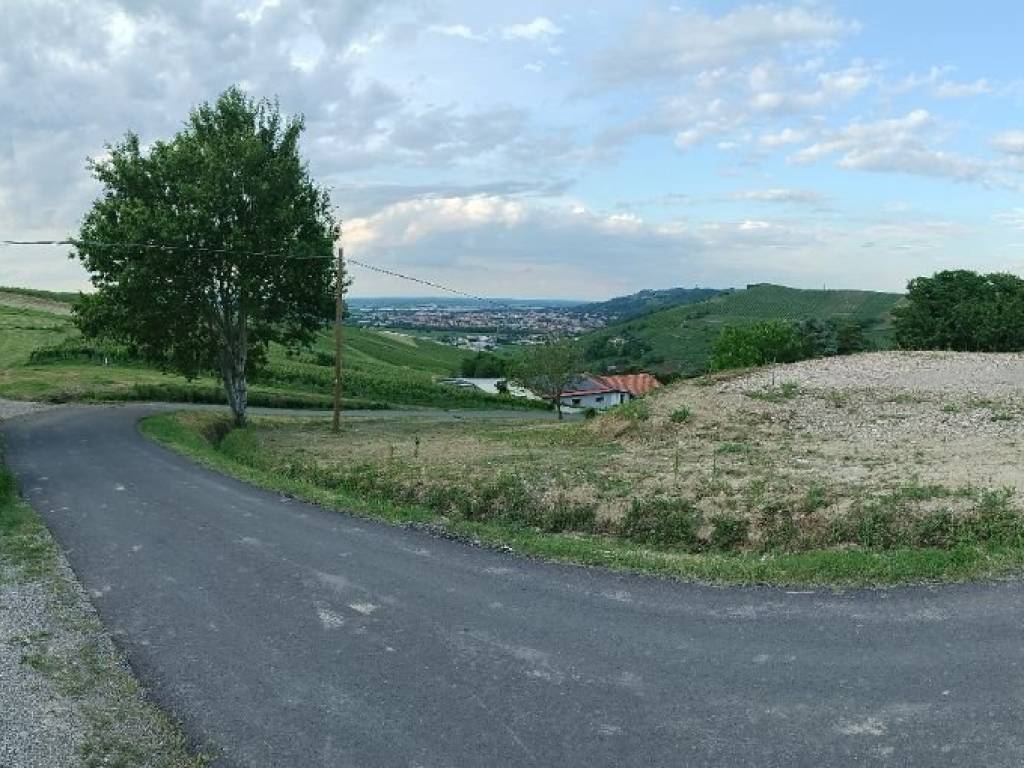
558 407
235 385
233 356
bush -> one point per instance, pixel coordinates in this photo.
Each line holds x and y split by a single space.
634 410
565 515
662 522
729 532
747 346
680 415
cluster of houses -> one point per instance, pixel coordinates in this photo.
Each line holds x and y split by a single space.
588 391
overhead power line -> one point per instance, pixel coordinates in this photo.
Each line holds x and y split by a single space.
168 248
429 283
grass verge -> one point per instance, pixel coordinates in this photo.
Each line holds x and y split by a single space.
80 673
825 567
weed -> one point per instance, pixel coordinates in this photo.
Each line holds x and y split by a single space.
733 448
837 398
787 390
729 532
634 410
662 521
680 415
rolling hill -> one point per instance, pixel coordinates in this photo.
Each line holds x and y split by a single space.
43 357
650 300
678 339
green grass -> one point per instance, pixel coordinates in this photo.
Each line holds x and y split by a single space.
237 456
43 357
679 339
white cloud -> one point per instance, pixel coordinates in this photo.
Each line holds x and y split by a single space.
1010 142
457 30
893 145
951 90
780 195
665 44
1014 218
782 138
541 28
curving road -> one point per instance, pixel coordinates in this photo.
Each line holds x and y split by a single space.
282 634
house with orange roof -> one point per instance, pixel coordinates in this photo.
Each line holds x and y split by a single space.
600 392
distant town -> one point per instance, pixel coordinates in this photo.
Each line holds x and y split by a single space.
476 327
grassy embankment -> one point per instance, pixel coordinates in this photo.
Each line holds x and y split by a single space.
679 339
43 357
80 674
690 483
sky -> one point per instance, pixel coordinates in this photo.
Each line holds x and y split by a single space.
558 148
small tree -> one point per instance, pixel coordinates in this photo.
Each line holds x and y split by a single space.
549 370
746 346
206 248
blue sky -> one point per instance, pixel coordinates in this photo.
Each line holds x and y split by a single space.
560 148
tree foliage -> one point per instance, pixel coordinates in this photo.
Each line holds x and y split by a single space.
245 242
748 346
964 311
550 369
483 365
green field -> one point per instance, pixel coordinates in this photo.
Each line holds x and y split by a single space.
679 339
43 357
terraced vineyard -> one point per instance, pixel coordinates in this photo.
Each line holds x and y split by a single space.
43 357
679 339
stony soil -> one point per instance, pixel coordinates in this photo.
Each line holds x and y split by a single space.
945 417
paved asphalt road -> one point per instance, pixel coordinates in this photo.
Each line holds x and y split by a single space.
286 635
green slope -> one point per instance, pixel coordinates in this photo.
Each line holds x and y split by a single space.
650 300
42 356
679 339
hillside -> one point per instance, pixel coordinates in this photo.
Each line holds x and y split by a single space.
650 300
42 356
679 339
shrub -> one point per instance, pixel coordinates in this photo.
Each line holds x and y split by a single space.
747 346
565 515
876 528
729 532
662 521
680 415
634 410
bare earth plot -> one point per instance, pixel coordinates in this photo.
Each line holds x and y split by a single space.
874 452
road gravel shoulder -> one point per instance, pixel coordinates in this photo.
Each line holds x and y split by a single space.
68 696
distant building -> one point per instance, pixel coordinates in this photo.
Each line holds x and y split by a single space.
608 391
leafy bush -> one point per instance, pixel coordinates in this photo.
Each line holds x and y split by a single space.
662 522
485 365
79 350
747 346
634 410
729 532
680 415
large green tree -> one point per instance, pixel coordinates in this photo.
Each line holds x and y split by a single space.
206 248
962 310
550 369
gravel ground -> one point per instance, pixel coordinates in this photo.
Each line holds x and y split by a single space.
963 374
881 419
41 727
67 696
11 408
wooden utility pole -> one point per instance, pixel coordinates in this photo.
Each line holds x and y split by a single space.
339 311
